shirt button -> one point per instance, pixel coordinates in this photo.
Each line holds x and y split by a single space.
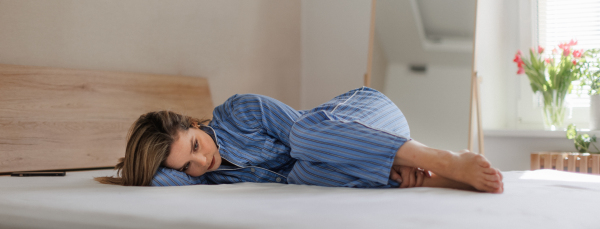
252 169
278 179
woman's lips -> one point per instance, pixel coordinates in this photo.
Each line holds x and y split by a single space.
212 163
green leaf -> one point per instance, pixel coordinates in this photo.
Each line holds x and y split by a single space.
585 138
571 132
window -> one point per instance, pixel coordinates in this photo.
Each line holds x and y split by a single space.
561 21
553 22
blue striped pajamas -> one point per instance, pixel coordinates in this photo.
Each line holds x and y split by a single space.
349 141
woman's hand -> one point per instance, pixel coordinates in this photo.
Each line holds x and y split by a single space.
408 177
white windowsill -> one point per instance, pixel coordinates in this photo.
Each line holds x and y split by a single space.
533 133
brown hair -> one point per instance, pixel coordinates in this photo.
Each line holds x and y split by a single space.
148 145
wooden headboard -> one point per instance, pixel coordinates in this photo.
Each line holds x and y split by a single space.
54 119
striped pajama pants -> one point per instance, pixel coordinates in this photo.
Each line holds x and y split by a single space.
349 141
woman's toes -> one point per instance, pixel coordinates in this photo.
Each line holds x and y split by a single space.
494 185
492 178
490 171
487 188
500 189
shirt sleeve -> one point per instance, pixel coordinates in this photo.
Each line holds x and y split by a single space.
170 177
250 113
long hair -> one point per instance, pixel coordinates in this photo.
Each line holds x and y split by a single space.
149 142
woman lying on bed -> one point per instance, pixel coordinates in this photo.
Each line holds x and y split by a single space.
358 139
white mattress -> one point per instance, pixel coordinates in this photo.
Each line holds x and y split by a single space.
533 199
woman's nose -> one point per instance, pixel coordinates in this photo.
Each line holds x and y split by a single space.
202 160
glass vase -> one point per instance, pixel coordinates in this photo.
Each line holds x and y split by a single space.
554 110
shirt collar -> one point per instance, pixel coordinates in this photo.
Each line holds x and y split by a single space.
211 132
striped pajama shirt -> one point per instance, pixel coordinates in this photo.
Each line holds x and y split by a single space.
350 141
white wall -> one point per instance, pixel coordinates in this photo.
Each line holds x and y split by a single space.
254 46
240 46
379 67
435 103
496 41
335 42
513 153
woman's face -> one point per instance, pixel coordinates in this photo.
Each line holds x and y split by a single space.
194 152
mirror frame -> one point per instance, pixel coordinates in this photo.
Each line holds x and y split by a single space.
475 100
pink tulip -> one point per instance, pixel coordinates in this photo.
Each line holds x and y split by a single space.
574 62
518 58
540 49
567 51
577 53
562 45
573 42
519 61
520 71
554 51
548 60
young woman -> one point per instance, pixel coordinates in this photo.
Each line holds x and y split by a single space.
358 139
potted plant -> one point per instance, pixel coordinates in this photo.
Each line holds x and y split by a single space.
582 141
551 75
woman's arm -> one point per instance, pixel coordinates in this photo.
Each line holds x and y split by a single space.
250 113
170 177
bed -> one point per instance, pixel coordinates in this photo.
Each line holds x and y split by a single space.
62 119
532 199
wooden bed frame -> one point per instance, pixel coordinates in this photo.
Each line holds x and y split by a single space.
61 119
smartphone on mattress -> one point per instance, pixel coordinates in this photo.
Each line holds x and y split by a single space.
37 174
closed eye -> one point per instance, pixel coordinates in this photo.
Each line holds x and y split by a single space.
196 145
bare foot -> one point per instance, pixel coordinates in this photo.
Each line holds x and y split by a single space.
473 169
442 182
465 167
501 189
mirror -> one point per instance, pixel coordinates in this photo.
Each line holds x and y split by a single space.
422 58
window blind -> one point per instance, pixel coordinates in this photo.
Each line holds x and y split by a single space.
560 21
